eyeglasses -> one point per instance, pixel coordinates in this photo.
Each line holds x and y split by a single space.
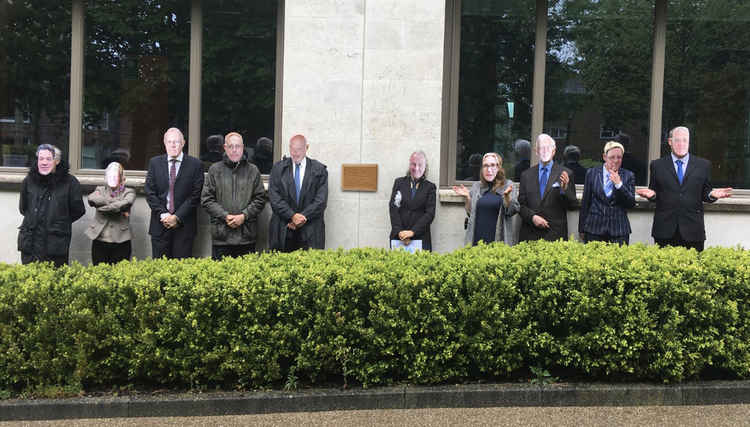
494 166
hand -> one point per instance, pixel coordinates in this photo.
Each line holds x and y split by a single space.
235 221
299 220
405 235
645 193
539 222
615 177
126 214
461 191
721 193
291 226
564 180
169 221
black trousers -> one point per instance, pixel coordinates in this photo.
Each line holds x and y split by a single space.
620 240
677 240
294 241
110 253
173 243
219 252
58 261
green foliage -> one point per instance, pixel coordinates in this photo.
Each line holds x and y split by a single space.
372 317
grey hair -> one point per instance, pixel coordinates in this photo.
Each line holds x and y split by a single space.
424 156
681 128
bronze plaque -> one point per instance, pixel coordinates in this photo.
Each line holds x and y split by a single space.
359 177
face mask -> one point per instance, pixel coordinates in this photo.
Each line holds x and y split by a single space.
113 176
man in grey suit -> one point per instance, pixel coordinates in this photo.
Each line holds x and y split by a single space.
545 195
679 184
298 191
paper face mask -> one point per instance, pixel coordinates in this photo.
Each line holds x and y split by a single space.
112 175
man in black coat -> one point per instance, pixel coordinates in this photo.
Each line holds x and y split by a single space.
50 202
545 195
298 191
679 185
173 192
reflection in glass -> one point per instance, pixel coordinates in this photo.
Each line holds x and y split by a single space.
34 78
136 81
598 81
707 84
495 82
239 78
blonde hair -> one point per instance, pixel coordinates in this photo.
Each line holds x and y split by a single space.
500 177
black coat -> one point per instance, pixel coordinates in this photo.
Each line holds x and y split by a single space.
680 205
413 214
604 215
312 204
49 205
553 206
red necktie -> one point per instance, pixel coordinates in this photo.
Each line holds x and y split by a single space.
172 176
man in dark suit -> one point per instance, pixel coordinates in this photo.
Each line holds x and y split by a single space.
298 191
608 192
173 192
545 195
679 185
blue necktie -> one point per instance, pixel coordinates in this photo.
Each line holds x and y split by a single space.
542 182
679 171
413 189
297 182
608 187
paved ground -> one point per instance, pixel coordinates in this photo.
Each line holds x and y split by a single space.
712 415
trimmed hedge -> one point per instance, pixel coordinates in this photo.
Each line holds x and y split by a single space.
372 317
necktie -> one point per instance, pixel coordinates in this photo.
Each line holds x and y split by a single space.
413 189
608 187
297 182
172 176
679 171
542 182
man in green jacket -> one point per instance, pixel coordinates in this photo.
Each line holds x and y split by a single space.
233 196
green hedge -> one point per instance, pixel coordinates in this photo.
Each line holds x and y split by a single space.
370 316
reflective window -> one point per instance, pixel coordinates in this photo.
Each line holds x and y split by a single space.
136 79
707 84
598 81
239 78
34 78
495 84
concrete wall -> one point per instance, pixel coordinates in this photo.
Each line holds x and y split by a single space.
363 81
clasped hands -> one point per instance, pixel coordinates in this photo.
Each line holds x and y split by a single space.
234 221
296 222
170 221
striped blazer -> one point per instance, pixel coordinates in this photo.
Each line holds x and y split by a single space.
604 215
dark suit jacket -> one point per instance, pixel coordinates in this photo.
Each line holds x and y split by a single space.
553 206
187 193
680 205
604 215
312 203
413 214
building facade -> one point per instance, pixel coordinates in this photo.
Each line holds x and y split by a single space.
371 81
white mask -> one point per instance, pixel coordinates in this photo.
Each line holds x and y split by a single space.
112 175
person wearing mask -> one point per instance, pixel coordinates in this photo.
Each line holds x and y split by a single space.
412 204
546 194
490 204
609 191
50 202
233 196
110 228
